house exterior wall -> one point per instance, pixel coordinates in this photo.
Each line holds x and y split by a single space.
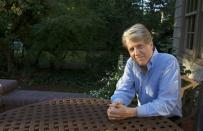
178 26
191 64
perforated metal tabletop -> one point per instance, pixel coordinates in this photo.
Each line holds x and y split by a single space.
78 114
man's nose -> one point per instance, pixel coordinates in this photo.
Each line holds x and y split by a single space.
136 51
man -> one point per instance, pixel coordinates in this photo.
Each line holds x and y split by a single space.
154 77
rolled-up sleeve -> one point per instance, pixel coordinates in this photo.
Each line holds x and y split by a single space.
125 91
168 93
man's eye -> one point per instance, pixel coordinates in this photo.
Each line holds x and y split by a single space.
140 47
131 49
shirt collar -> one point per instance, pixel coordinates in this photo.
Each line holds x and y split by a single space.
151 61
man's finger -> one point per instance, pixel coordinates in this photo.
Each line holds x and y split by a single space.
115 118
113 110
116 105
114 115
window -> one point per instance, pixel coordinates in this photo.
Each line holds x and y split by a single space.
190 32
191 13
193 30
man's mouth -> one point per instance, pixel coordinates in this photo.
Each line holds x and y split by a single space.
139 58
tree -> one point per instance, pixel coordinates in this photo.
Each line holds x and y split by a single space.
57 27
16 18
160 13
86 25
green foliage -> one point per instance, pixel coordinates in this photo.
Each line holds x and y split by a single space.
161 16
59 26
110 81
17 14
45 59
16 17
80 26
60 80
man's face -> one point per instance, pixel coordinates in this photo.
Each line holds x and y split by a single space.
139 51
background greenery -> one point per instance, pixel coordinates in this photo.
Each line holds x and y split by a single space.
74 45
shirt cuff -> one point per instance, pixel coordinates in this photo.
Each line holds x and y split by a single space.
141 111
117 100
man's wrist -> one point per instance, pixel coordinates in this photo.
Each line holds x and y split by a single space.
132 112
117 100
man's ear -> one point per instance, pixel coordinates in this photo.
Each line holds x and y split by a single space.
151 44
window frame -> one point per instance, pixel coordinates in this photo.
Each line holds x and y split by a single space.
188 13
196 54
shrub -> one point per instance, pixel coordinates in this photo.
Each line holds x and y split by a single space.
110 81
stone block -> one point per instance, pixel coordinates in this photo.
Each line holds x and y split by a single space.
7 86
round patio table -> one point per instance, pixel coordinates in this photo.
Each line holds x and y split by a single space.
76 114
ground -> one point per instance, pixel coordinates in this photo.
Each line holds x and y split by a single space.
75 81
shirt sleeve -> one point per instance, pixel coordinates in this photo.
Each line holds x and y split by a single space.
125 91
168 94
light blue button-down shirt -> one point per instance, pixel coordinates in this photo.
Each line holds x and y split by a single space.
158 89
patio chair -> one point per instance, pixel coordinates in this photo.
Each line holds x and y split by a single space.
6 86
190 93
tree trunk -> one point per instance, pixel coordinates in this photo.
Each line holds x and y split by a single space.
7 53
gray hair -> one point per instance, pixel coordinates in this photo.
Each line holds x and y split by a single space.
137 32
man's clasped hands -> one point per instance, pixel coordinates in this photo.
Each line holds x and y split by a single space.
118 111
